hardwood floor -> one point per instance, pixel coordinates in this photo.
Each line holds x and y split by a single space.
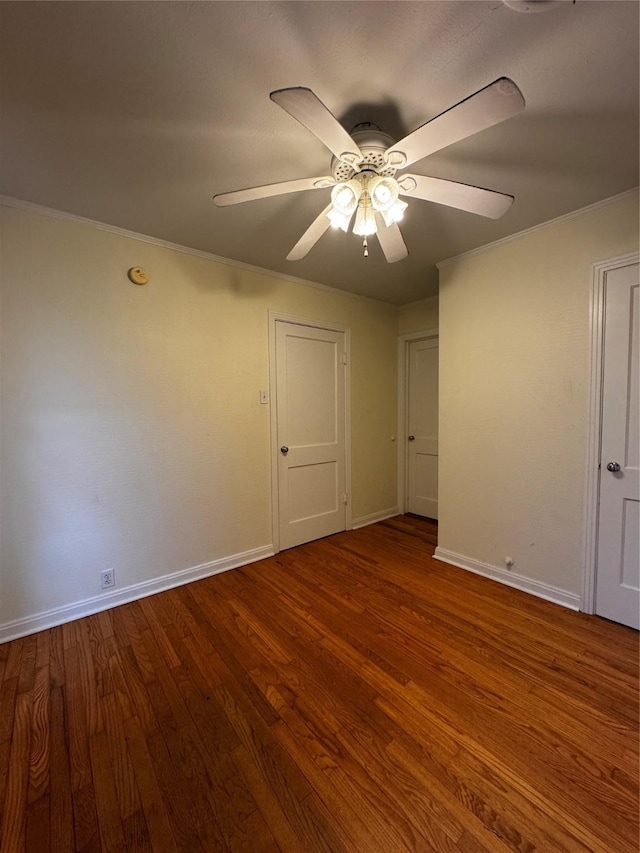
349 695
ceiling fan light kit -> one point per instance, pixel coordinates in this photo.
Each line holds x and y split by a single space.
365 224
345 199
339 220
363 169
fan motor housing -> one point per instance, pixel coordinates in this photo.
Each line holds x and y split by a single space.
373 143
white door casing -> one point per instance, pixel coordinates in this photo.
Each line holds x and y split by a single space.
310 420
418 419
618 549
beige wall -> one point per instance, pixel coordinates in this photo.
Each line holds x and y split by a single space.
132 434
418 316
514 373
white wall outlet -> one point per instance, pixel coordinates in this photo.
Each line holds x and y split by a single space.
264 396
107 578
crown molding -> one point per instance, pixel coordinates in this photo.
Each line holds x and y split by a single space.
566 217
52 213
422 301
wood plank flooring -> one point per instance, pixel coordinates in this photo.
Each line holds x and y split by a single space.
352 694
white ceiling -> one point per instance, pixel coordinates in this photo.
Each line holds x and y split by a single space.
137 113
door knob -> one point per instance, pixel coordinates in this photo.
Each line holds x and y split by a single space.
284 449
614 467
412 438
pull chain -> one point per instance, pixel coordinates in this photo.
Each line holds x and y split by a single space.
365 248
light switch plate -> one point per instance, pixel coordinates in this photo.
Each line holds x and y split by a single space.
264 396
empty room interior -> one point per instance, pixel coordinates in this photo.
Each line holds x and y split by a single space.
319 400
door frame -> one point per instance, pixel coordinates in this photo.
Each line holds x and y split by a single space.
275 317
594 424
403 407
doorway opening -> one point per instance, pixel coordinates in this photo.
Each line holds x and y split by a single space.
418 424
611 581
310 429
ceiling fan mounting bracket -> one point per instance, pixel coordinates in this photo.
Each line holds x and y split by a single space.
373 143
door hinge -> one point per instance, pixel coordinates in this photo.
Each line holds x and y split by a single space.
344 498
344 358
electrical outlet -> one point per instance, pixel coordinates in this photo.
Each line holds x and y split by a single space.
107 578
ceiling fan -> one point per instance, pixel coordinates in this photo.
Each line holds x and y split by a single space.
364 179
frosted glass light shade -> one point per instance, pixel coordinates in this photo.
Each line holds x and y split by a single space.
394 213
383 192
365 195
365 223
338 219
345 197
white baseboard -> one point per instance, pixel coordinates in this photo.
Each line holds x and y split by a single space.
537 588
69 612
375 516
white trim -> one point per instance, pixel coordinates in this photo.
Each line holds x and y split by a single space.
596 308
51 213
418 336
274 317
68 612
566 217
533 587
403 402
374 517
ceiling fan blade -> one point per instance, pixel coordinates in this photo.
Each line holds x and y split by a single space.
224 199
464 197
309 110
496 102
311 236
391 241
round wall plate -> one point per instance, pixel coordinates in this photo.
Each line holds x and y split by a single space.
137 275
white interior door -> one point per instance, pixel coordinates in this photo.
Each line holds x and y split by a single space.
422 422
310 401
618 556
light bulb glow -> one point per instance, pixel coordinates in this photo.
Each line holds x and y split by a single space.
383 195
338 219
345 197
367 195
394 213
383 192
365 223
